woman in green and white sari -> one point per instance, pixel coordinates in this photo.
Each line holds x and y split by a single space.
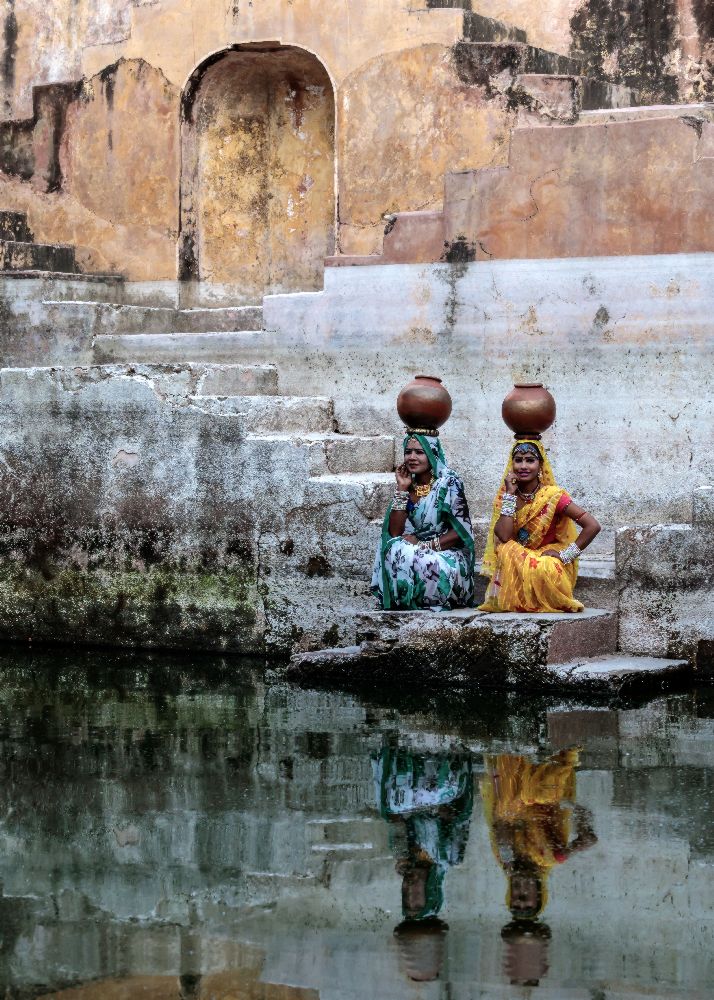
426 555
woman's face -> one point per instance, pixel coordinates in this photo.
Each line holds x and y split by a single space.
526 467
415 457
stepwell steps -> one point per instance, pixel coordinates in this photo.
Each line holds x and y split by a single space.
166 347
339 453
108 318
263 415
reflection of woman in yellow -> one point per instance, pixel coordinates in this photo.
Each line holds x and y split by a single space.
530 810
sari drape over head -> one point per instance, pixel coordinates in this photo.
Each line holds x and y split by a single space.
521 577
407 576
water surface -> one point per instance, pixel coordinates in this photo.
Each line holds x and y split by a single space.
188 828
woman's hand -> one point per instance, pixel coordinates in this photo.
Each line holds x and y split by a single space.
404 479
510 482
411 538
553 553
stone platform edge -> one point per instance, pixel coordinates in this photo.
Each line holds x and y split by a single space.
471 648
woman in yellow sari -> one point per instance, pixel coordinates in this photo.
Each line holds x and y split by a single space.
531 552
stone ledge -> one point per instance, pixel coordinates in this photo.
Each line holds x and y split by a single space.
468 648
621 670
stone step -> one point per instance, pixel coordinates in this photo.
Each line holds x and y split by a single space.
481 62
175 347
237 380
263 415
105 318
448 4
14 227
466 647
368 492
551 99
427 647
621 671
703 111
326 833
341 453
54 284
28 257
540 638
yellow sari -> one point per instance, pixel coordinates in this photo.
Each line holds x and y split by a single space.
521 577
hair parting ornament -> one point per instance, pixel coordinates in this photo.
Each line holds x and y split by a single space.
527 448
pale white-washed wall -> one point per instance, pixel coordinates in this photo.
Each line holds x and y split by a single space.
624 344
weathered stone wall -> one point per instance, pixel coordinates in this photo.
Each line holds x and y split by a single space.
91 96
137 512
666 583
113 146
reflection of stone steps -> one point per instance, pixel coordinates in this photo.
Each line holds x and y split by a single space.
341 838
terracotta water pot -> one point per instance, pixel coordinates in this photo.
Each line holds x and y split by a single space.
528 409
424 402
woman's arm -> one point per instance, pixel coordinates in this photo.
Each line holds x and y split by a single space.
398 518
450 540
587 522
505 527
590 528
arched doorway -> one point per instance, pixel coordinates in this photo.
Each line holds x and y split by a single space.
257 174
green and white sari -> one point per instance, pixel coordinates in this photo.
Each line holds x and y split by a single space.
409 577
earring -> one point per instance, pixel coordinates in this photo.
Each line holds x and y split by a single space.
540 477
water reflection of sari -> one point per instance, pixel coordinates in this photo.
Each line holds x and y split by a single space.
521 577
427 799
409 577
530 811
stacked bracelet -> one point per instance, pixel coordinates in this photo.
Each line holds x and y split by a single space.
400 500
508 505
431 544
570 554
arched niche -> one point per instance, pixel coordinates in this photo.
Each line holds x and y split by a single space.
258 170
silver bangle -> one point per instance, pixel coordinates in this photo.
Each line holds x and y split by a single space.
570 554
508 505
400 500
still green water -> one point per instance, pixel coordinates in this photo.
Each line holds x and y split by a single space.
177 828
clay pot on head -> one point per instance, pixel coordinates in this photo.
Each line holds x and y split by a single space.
424 403
528 409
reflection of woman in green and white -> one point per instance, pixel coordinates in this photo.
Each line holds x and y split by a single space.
427 799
